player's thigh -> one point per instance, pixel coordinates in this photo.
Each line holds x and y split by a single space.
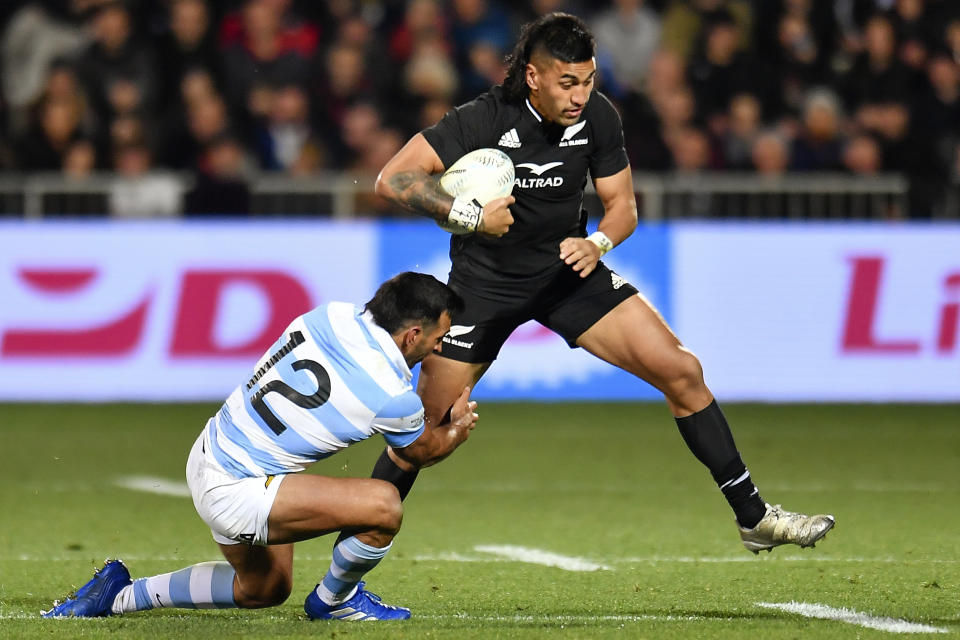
636 338
442 380
307 506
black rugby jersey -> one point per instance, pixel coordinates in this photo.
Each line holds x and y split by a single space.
551 163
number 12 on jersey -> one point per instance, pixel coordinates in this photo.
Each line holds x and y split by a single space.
312 401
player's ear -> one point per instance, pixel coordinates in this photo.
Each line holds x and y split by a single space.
531 75
411 335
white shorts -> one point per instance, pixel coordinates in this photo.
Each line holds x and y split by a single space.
236 509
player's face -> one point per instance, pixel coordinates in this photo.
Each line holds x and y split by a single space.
560 90
430 340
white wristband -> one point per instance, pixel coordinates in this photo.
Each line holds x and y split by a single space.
464 217
600 239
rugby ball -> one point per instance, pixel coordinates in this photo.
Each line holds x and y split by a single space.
482 175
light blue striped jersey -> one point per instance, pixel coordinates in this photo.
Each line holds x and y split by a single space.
333 378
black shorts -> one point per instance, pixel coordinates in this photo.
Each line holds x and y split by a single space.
562 301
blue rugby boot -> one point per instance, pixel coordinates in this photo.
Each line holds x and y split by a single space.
362 606
95 598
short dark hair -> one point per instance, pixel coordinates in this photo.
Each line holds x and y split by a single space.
412 298
561 35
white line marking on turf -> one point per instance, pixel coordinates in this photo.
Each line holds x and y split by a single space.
823 612
565 618
453 556
539 556
154 484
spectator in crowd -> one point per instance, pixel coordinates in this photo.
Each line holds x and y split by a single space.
220 186
799 61
29 46
936 110
423 21
346 83
908 154
691 150
285 140
721 70
80 159
744 122
677 114
137 192
770 154
862 155
628 34
951 38
805 30
684 23
178 148
666 73
359 30
818 145
206 118
117 67
259 54
877 76
481 33
45 144
913 33
189 43
430 82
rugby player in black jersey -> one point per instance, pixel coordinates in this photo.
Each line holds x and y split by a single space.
527 256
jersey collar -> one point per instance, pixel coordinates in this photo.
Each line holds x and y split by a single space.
387 345
535 113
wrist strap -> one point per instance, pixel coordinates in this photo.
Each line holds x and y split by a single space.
464 217
600 239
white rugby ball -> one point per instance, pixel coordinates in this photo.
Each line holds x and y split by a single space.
482 175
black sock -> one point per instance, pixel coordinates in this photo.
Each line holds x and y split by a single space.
708 436
387 469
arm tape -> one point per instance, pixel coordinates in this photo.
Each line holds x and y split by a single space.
600 239
464 217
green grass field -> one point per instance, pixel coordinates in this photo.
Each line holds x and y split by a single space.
608 484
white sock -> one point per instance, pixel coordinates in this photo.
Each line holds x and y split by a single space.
208 585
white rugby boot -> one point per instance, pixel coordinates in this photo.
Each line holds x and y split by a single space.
779 526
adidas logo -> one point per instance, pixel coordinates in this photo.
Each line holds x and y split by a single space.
616 280
510 139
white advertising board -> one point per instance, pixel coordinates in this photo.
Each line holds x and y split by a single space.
161 311
823 312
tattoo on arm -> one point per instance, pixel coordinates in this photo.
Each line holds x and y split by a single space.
417 191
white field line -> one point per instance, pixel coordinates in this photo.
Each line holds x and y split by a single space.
539 556
823 612
453 556
564 618
154 484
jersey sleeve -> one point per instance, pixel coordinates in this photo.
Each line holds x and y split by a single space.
463 129
608 155
400 420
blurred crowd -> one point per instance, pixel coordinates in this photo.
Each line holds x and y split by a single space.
220 88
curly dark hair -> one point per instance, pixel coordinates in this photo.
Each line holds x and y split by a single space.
560 35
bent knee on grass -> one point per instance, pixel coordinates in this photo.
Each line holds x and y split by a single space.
258 593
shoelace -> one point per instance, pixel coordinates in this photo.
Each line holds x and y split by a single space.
377 600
